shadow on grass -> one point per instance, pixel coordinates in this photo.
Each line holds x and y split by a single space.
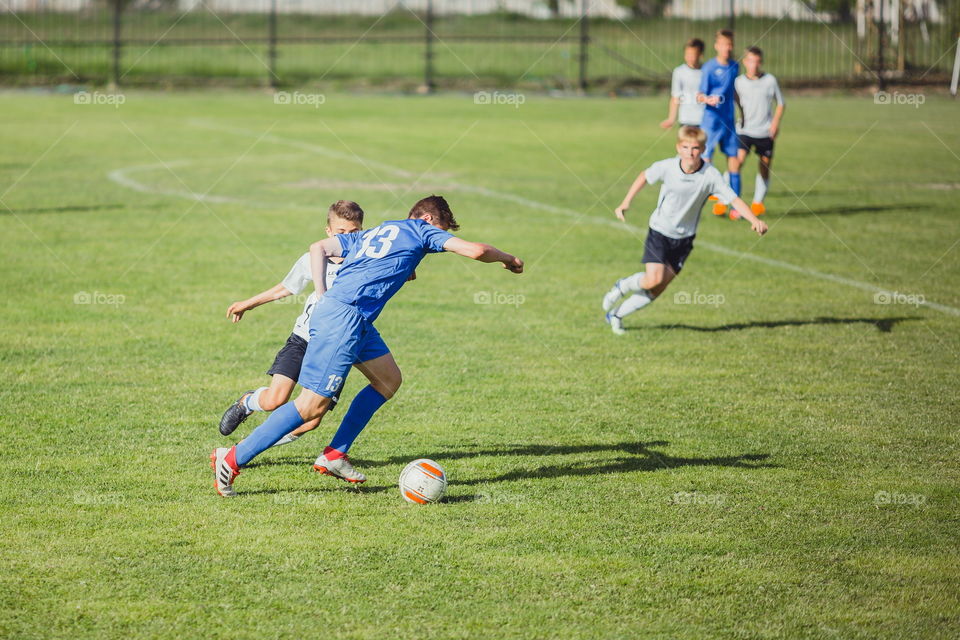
803 212
640 456
884 325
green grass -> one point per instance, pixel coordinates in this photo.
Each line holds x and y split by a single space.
232 48
713 473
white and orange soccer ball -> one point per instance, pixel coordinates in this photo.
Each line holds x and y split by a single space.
422 481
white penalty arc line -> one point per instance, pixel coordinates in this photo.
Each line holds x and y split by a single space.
578 216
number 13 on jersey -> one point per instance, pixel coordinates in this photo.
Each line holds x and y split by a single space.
383 237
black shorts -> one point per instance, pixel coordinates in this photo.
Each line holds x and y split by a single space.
665 250
764 146
289 360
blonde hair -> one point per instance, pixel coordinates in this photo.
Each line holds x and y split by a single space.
692 133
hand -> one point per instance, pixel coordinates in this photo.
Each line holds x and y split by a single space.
621 212
413 276
236 310
515 265
712 100
666 124
759 226
774 130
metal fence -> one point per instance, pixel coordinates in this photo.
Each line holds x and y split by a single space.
464 43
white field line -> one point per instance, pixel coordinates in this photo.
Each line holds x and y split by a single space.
121 176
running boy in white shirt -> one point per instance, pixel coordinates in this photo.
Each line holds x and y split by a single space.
760 124
687 182
343 216
684 85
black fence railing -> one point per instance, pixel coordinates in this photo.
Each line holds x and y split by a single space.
592 43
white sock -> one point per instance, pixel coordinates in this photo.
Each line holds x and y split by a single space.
760 189
726 177
632 283
253 400
287 439
634 303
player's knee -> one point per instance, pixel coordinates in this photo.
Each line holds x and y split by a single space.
271 399
389 386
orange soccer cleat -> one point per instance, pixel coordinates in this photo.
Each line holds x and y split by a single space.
719 209
758 208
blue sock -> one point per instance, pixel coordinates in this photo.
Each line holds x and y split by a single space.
735 182
364 405
281 422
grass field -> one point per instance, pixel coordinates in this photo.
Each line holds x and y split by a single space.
774 459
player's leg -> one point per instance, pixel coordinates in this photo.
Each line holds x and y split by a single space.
226 462
380 368
329 356
763 179
622 287
730 145
284 372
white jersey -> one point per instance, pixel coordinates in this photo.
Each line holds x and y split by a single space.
756 102
683 195
684 85
298 278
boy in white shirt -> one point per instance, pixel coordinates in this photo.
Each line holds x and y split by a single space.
759 124
684 85
687 183
343 216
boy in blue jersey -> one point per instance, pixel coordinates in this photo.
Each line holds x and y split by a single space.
376 264
718 95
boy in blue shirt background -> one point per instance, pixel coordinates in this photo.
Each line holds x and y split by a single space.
718 95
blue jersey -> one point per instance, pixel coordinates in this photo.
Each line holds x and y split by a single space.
717 80
378 262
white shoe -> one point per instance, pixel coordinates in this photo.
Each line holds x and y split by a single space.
616 324
338 468
223 461
612 296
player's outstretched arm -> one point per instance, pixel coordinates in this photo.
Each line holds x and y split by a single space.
237 309
320 254
756 223
638 184
483 253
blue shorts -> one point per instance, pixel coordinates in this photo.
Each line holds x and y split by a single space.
339 338
723 134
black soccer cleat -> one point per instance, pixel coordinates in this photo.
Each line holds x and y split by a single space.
234 415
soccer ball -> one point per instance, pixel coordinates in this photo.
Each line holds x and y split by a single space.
422 481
